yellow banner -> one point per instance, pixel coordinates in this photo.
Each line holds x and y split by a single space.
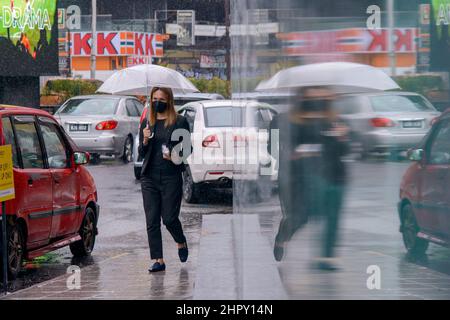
7 191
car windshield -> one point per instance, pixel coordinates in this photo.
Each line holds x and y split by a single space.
225 116
90 107
400 103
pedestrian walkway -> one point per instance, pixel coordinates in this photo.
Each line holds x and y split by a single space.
236 261
123 275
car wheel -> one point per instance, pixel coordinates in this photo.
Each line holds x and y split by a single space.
414 244
137 173
16 248
127 156
191 192
85 246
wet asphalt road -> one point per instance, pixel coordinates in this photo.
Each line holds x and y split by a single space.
368 236
122 230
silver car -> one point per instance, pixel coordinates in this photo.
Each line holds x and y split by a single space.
387 121
102 124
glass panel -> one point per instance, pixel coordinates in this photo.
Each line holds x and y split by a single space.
400 103
139 106
131 109
322 217
28 142
57 154
89 107
440 147
8 133
223 117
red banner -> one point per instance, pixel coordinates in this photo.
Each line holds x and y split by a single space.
355 40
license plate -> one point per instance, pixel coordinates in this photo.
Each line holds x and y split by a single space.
78 127
412 124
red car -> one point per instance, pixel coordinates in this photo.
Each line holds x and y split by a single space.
424 206
56 197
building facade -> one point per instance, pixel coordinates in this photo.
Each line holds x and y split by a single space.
144 31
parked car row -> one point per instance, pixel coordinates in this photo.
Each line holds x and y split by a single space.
49 154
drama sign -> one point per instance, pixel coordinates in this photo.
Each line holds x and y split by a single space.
28 37
442 12
118 44
27 18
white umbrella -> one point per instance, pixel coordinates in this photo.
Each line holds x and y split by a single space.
139 80
343 77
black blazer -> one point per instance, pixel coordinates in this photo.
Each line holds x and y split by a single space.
145 151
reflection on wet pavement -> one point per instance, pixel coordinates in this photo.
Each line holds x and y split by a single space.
369 237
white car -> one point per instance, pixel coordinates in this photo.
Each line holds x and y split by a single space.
229 139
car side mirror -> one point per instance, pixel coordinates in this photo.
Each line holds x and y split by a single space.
81 158
415 154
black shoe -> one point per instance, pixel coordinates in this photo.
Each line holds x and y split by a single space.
278 252
157 267
326 265
183 253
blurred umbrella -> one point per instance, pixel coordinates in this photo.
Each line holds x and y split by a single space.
343 77
139 80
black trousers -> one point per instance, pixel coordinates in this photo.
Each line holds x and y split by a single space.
162 194
302 199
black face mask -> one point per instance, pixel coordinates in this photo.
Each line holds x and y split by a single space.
315 105
160 106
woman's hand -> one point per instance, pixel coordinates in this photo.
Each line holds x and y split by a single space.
147 135
166 153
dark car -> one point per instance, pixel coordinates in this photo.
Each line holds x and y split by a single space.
424 206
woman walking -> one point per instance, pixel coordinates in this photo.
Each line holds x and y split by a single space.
162 174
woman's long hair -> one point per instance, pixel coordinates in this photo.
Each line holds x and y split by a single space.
171 113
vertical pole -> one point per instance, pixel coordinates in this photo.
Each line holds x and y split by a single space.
69 74
4 250
94 39
228 44
391 46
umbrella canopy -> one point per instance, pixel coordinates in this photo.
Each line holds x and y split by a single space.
139 80
343 77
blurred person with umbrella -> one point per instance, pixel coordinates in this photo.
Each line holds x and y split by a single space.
312 143
311 172
164 144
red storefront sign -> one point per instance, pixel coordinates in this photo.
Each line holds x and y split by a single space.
138 60
354 40
118 44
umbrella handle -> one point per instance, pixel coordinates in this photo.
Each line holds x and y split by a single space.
149 108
